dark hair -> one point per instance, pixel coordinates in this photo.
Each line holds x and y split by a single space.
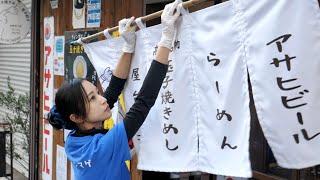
71 98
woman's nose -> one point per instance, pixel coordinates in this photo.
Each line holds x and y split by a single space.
103 100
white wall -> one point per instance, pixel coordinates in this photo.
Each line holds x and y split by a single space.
15 62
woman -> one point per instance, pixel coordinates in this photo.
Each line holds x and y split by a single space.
96 153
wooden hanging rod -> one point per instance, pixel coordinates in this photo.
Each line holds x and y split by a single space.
146 18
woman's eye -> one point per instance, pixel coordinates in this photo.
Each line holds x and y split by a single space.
92 98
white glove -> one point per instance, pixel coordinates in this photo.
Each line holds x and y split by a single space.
168 19
127 32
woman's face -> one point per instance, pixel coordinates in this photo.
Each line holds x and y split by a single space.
98 109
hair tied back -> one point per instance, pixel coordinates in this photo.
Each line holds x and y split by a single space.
55 118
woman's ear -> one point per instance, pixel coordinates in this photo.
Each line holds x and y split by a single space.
75 118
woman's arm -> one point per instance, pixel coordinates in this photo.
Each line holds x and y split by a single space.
157 72
118 79
148 93
123 66
121 72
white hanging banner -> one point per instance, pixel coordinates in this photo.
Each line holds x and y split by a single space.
104 56
282 43
78 14
220 91
170 127
200 121
47 96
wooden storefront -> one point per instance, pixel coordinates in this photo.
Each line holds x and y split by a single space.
112 11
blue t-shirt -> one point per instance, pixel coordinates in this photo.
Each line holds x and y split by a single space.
100 156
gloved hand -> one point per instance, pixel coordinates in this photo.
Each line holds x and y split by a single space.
127 32
169 16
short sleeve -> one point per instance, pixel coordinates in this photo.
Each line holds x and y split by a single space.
113 146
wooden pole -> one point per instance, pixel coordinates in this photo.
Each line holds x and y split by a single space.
146 18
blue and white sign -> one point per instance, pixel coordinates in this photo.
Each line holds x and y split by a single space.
94 13
58 62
